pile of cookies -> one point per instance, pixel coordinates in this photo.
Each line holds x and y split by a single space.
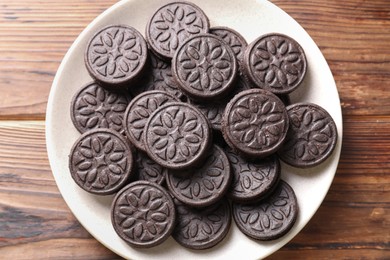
187 128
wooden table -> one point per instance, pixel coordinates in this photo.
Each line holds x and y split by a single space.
352 223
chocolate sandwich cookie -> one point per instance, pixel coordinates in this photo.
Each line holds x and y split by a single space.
177 136
204 185
172 24
139 111
116 56
94 107
149 170
252 181
233 38
202 228
205 67
255 123
270 218
143 214
101 162
275 62
158 77
311 138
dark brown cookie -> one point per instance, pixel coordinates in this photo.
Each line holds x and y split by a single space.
233 38
275 62
271 218
139 111
204 185
177 136
101 162
252 180
143 214
172 24
94 107
205 67
116 56
149 170
202 228
158 77
311 138
214 110
255 123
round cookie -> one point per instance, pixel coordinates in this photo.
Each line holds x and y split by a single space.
255 123
143 214
172 24
270 218
94 107
275 62
205 67
311 138
101 162
138 112
252 181
177 136
202 228
204 185
116 56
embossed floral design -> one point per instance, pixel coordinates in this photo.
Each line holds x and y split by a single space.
95 107
310 136
252 178
177 134
201 228
257 121
205 184
277 63
101 162
173 24
272 217
117 52
139 111
205 65
143 214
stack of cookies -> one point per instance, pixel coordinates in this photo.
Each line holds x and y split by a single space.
187 128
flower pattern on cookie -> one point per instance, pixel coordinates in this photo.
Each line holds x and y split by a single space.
174 23
177 135
276 62
312 135
256 121
205 67
116 54
101 161
143 214
94 107
272 217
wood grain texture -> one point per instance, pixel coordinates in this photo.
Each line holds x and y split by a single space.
352 223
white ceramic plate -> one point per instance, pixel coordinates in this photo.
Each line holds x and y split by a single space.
249 17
